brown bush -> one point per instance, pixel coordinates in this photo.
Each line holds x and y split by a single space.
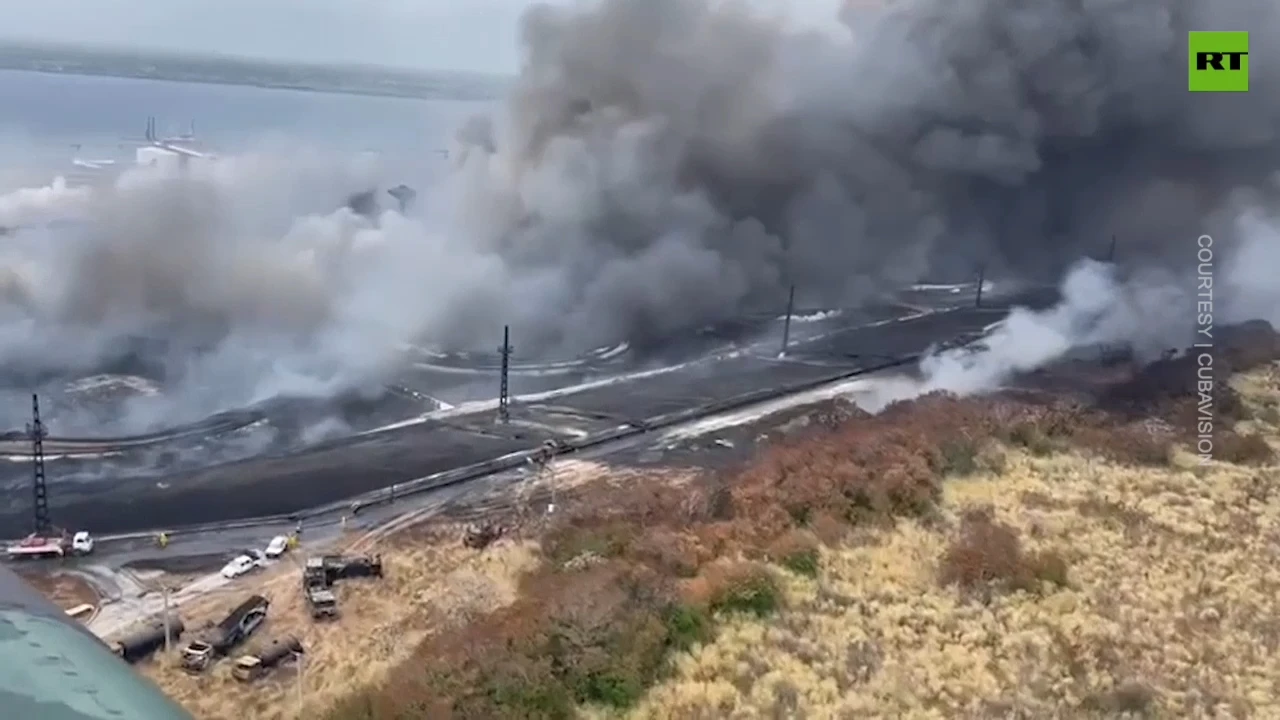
1133 444
866 469
987 554
1233 447
744 587
601 639
797 551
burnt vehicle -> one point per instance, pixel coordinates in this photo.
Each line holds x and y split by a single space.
482 535
341 567
316 588
141 644
234 629
254 665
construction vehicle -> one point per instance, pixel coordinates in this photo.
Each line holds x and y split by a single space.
316 589
59 544
256 664
140 645
234 629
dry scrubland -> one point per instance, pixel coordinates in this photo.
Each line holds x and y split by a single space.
1012 556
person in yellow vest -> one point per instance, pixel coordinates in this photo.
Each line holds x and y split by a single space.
162 539
293 541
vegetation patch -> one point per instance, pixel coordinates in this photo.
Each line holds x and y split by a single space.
988 554
755 559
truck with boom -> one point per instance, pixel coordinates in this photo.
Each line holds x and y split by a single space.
51 546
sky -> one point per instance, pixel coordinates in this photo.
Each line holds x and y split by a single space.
477 35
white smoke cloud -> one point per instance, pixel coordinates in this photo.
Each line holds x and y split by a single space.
1147 313
236 280
41 204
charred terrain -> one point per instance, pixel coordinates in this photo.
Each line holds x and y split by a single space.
1017 554
286 456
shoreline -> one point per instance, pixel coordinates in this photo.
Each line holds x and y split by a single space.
461 94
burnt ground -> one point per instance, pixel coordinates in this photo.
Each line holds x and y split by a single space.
347 467
1116 384
63 589
184 564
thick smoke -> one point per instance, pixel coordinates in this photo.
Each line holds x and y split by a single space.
663 164
678 160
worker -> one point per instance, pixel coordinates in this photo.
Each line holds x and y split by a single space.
162 539
293 542
344 522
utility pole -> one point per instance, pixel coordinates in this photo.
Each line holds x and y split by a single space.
786 323
550 470
43 526
302 700
504 397
168 635
982 274
1111 253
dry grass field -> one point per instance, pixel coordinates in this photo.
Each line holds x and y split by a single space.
1023 555
1164 601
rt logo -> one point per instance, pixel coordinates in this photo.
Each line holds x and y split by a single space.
1218 62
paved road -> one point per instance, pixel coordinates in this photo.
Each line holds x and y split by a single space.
468 433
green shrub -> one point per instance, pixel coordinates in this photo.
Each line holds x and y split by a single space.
756 593
802 562
958 457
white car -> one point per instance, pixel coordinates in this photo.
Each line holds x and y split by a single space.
278 546
238 567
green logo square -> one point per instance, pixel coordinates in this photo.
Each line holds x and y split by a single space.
1218 61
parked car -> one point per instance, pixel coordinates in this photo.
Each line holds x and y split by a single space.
239 566
278 546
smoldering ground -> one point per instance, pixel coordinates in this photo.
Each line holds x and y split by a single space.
664 164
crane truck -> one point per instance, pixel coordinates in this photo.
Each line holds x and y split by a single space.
48 546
